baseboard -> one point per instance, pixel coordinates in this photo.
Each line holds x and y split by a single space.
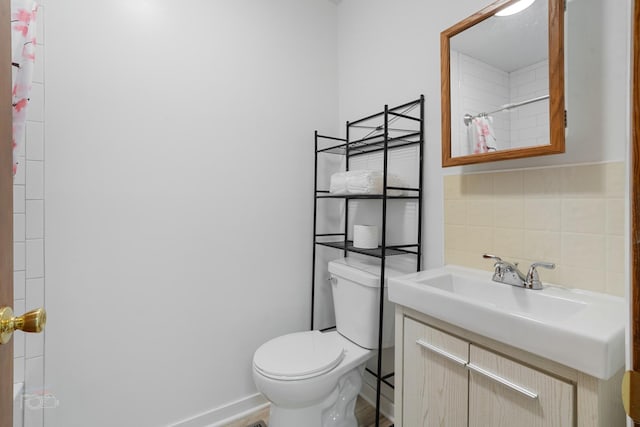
368 393
226 414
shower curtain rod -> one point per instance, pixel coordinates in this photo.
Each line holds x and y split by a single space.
468 117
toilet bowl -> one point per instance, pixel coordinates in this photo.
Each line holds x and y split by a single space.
313 378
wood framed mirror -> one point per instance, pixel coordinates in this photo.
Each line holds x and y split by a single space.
503 83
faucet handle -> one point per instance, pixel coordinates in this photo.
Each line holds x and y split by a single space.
533 280
493 257
548 265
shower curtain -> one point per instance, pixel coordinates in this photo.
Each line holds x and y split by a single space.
480 135
23 49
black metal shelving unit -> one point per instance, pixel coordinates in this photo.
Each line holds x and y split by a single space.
382 136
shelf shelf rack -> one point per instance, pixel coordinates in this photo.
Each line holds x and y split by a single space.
381 137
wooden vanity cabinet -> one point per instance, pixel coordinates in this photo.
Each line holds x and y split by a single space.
446 376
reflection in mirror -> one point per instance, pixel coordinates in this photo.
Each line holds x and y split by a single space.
497 87
500 85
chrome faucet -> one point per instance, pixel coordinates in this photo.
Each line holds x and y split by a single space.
508 273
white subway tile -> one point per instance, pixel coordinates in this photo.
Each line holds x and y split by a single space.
34 260
35 141
34 294
35 219
19 227
19 282
19 256
18 199
34 385
34 345
18 369
35 180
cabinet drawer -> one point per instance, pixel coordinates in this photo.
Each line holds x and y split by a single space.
435 380
505 393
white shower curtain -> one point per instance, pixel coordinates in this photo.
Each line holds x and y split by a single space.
23 54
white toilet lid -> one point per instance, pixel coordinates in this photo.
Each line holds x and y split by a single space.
299 355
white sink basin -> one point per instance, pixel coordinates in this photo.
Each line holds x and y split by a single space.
580 329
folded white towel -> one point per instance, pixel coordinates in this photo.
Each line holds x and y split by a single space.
364 182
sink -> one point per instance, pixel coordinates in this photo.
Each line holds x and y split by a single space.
580 329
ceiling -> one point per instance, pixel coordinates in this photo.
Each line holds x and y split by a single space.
508 42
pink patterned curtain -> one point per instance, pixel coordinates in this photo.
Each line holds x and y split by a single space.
23 54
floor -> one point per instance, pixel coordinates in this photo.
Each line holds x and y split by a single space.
365 414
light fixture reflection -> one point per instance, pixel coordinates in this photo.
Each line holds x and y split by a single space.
515 8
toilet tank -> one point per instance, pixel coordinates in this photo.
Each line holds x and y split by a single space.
356 299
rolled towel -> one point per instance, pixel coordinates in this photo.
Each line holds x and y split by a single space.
364 182
338 183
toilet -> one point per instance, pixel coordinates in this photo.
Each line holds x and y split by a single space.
313 378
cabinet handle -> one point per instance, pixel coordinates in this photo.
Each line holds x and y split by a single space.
530 394
442 352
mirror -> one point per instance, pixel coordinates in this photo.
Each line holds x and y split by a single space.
503 83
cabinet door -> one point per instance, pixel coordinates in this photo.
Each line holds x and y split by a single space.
435 381
505 393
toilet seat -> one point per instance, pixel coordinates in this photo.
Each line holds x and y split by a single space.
299 356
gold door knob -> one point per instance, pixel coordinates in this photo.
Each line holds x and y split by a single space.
32 321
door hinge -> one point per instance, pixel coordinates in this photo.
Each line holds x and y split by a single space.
631 394
565 5
565 119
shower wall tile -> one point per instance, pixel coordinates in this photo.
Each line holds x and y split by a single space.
19 227
18 199
34 259
19 281
28 205
19 256
35 219
34 385
34 345
35 141
18 369
34 293
35 180
571 215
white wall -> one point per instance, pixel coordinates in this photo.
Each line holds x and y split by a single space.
389 52
179 197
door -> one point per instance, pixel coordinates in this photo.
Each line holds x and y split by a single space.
631 399
6 212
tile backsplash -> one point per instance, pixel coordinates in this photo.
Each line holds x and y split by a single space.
571 215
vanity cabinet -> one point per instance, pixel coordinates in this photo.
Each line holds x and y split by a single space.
451 377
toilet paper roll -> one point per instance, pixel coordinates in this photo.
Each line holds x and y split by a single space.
365 236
